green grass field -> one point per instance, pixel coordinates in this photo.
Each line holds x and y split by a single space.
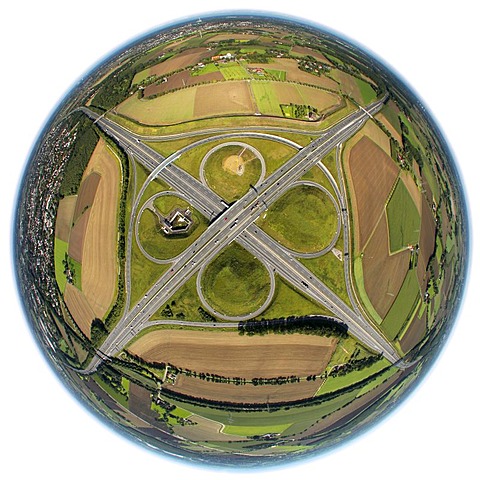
266 98
342 381
293 415
60 250
401 310
250 431
403 219
280 75
161 110
226 182
235 283
288 302
183 304
329 269
233 72
367 92
304 219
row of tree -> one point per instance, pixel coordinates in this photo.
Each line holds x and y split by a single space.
311 325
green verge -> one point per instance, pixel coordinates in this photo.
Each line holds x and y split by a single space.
60 252
402 309
250 431
330 270
235 283
289 302
144 274
403 219
304 219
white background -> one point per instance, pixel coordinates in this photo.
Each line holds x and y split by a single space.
46 46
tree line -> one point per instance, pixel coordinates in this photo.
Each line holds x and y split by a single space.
311 325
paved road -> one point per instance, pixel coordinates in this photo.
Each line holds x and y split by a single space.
230 225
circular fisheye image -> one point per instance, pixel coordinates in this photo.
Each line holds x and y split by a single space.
241 240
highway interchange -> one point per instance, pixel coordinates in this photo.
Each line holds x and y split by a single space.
236 222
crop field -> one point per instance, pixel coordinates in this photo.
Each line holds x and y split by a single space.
270 95
86 193
415 332
79 308
235 283
99 259
366 91
403 307
63 223
177 62
180 80
240 37
266 99
77 237
233 355
427 242
279 75
304 219
383 274
304 51
342 381
247 393
303 416
403 219
233 71
226 98
372 173
294 74
162 110
231 170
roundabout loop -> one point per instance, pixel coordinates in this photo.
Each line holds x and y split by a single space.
148 205
230 144
334 240
238 318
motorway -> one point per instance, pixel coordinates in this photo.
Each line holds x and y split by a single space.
236 223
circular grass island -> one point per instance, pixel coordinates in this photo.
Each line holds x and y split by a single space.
304 219
235 285
231 169
152 238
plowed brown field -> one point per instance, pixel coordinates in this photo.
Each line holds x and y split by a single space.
179 62
233 355
79 308
313 53
248 393
63 224
182 79
226 98
373 174
77 237
383 274
99 259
